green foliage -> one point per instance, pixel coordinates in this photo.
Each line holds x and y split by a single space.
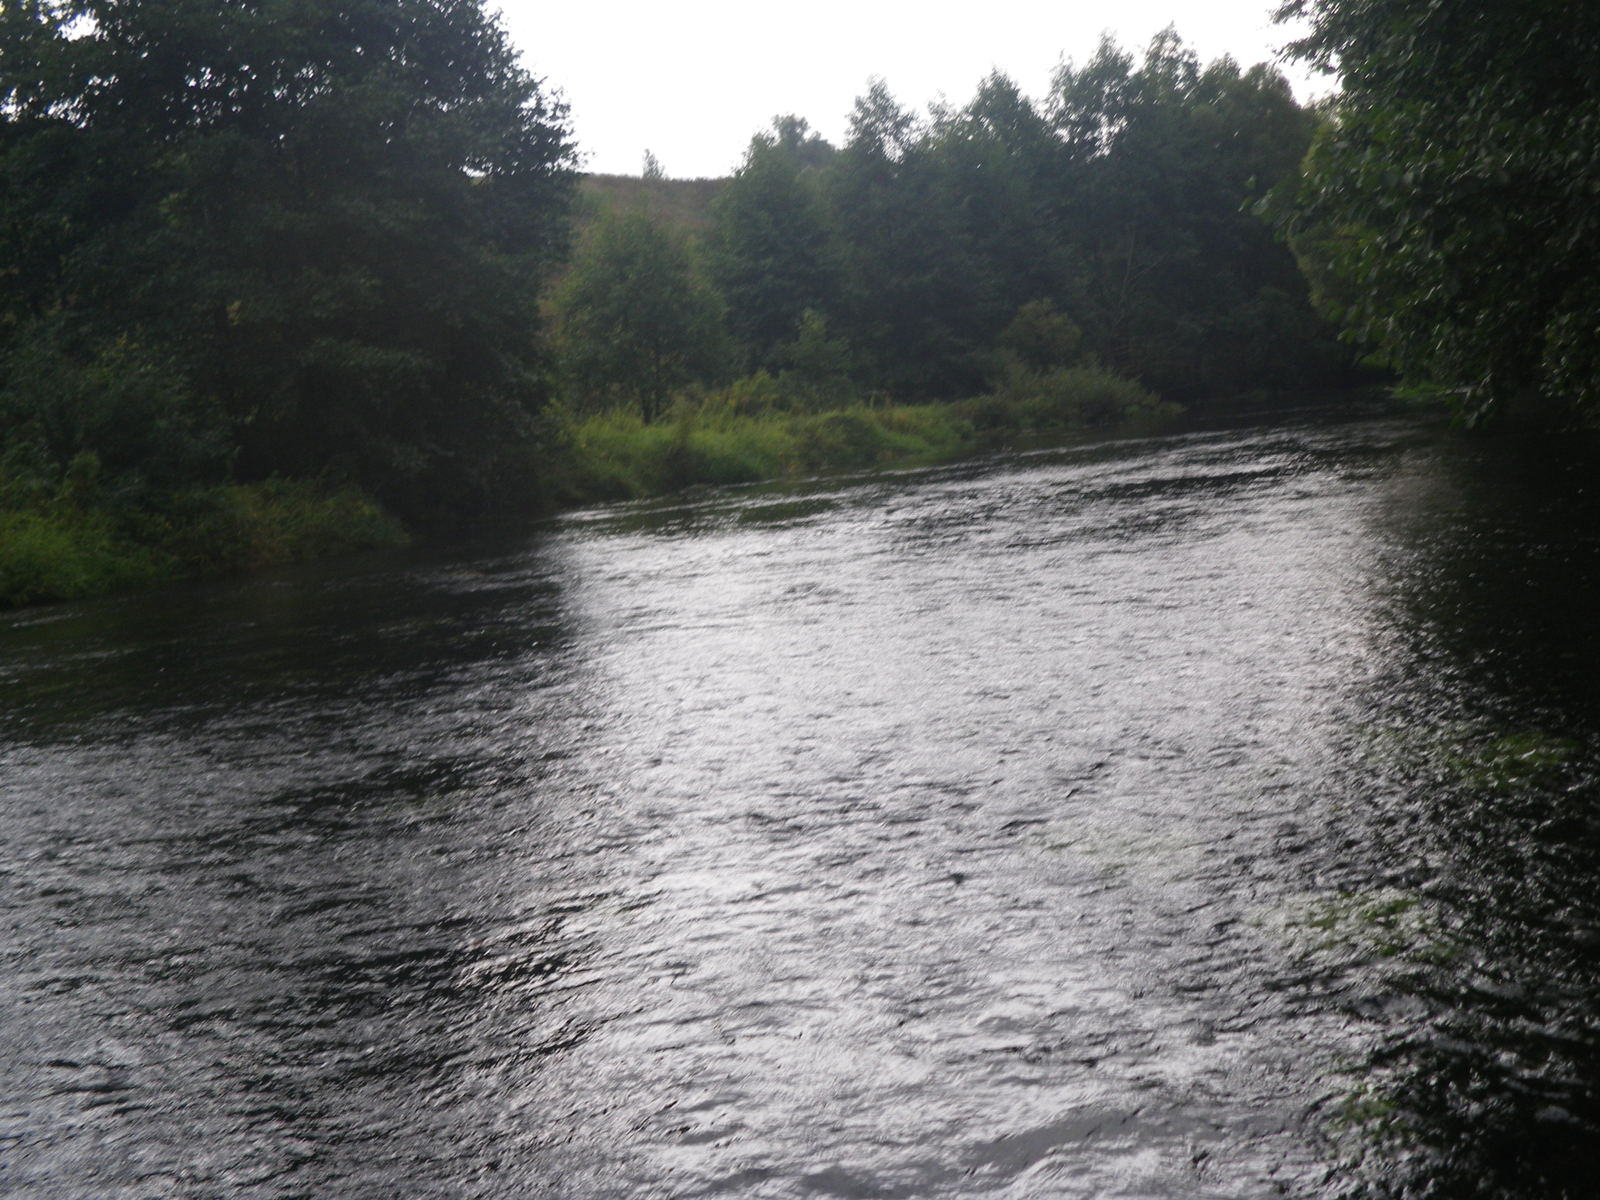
816 368
1040 338
773 254
681 204
753 395
1184 287
725 438
763 427
311 238
1065 398
634 318
1447 211
1002 172
227 530
79 542
908 282
63 556
1122 208
123 403
617 455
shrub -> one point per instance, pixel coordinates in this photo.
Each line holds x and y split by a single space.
246 527
46 557
1064 398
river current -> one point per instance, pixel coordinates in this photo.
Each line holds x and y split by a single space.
1201 816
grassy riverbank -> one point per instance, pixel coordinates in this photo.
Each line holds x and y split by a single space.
66 545
75 538
762 428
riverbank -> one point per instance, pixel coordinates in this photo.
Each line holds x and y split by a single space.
762 428
74 541
68 545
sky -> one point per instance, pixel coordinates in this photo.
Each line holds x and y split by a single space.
692 81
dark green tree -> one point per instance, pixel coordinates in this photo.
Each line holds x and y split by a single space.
635 321
323 226
1040 338
1124 207
1449 207
1184 286
1000 177
907 282
772 252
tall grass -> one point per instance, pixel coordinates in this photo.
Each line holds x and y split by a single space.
761 429
247 527
61 556
71 545
616 455
1066 399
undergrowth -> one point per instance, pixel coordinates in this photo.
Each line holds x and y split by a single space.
74 542
761 428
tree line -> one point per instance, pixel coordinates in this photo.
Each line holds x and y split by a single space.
1449 209
932 257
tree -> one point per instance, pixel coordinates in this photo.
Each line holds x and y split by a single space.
907 283
326 224
635 321
1040 338
772 253
1185 287
1448 206
1000 177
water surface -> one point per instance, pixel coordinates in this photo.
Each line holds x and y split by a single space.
1200 816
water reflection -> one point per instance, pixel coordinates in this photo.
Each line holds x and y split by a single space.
1194 816
1475 754
251 959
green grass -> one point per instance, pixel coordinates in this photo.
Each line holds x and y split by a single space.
248 527
759 428
616 455
68 538
69 548
1066 398
64 556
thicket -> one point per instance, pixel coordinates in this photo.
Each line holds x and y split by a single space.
243 243
761 427
1448 209
73 538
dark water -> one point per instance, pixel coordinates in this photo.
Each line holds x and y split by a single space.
1208 816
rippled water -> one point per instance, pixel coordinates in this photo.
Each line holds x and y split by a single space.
1203 816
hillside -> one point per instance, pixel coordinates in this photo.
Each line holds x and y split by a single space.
681 203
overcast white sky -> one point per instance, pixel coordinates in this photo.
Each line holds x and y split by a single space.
694 79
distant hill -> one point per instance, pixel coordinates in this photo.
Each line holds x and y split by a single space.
682 203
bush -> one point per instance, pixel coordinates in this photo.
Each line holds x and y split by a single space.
720 440
246 527
125 404
45 557
77 545
759 428
1064 398
847 439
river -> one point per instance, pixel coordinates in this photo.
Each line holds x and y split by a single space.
1210 815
